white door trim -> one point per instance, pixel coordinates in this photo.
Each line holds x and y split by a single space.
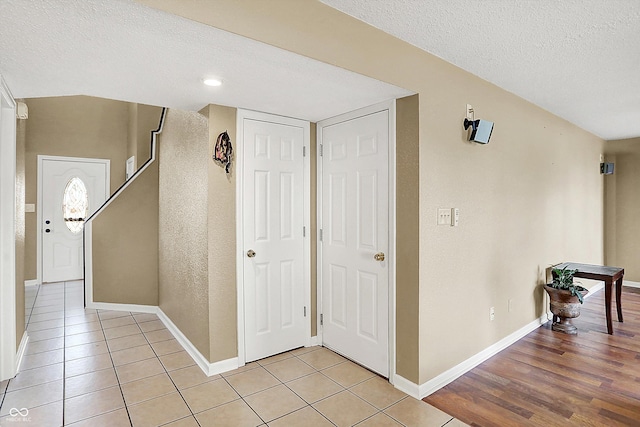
391 107
42 158
8 354
239 170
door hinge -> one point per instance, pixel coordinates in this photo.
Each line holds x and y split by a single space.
304 231
321 150
304 151
321 320
321 234
305 311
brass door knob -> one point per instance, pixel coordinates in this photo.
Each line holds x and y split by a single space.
379 256
251 253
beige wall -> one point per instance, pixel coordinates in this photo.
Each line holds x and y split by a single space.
622 207
531 198
72 126
125 244
143 119
183 148
222 239
407 241
147 121
20 229
132 134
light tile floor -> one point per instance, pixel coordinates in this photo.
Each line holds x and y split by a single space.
108 368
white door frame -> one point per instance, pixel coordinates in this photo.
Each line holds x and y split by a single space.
8 354
391 107
239 169
42 158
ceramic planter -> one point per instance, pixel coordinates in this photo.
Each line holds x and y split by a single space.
564 307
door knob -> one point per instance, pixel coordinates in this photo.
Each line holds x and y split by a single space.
251 253
379 256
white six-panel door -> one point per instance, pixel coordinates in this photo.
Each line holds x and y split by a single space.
62 249
355 215
273 241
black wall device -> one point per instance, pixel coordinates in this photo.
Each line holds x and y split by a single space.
480 130
606 168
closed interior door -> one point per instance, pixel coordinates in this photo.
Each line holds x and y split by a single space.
273 246
71 190
355 216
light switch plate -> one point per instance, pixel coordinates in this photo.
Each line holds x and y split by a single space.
444 216
29 207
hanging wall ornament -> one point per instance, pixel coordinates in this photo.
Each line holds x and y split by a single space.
223 151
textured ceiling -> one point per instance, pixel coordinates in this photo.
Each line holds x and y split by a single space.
122 50
579 59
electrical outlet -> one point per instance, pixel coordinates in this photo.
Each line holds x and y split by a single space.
601 158
492 314
444 216
455 217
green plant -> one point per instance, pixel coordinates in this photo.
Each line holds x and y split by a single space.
563 279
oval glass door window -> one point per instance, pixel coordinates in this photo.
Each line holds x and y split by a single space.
75 205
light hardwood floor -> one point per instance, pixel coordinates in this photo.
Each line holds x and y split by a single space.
553 379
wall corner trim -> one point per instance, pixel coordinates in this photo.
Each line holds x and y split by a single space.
152 309
21 350
406 386
313 341
450 375
208 368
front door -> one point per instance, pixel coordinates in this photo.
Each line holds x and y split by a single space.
273 240
71 190
355 239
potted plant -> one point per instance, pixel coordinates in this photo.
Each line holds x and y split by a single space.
565 299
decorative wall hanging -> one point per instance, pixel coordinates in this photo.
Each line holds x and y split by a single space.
223 152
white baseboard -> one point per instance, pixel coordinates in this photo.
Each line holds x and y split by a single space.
152 309
435 384
594 289
32 282
313 341
631 284
406 386
208 368
21 349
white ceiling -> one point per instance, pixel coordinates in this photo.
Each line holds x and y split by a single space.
122 50
579 59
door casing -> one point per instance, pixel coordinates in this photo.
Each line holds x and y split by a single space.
254 115
8 355
41 159
391 107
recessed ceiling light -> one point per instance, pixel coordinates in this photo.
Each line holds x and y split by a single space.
212 82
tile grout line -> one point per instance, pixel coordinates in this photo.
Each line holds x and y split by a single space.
347 389
126 408
35 298
310 404
242 397
294 379
167 373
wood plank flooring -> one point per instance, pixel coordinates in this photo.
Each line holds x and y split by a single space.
553 379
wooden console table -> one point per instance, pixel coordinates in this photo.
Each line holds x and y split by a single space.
609 275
